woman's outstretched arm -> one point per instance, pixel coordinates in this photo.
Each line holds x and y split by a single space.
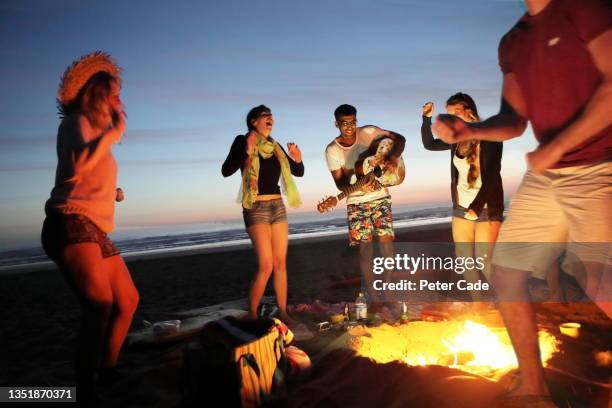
427 137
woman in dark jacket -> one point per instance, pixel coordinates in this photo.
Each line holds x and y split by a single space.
476 185
262 162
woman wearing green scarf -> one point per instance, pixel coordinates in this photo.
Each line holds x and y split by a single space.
263 162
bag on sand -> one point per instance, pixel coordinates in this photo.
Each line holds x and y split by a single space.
236 363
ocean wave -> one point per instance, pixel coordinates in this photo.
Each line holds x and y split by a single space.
217 238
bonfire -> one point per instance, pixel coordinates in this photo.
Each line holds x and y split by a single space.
469 346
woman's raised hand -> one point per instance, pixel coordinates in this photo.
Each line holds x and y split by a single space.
452 129
119 196
294 152
428 109
471 215
118 126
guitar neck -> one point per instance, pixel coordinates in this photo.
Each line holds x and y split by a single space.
354 187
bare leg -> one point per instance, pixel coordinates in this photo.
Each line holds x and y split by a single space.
602 290
484 237
125 301
553 279
280 233
82 267
494 227
464 235
261 236
519 317
366 251
386 246
596 281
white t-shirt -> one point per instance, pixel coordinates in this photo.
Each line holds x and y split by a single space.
338 156
465 194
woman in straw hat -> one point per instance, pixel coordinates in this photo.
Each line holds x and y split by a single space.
80 214
263 161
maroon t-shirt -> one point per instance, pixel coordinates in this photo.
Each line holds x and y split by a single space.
557 76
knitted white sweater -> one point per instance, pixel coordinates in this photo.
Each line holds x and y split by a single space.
86 176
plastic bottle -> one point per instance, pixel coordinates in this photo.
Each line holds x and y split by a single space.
361 307
404 316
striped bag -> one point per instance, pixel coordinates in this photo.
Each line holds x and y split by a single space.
242 362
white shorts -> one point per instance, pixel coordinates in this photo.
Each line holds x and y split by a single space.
562 214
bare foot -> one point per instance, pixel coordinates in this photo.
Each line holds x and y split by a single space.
285 318
512 382
557 296
531 401
528 389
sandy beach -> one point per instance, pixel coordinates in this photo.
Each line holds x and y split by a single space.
40 315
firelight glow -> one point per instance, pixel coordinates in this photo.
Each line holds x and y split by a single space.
466 345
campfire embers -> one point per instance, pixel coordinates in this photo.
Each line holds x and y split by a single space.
466 345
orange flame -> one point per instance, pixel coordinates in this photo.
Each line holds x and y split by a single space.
469 346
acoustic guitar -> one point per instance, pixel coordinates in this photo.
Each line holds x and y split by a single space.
376 163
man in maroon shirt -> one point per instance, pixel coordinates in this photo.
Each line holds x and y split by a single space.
557 67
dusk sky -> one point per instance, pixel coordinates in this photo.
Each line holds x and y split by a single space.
192 70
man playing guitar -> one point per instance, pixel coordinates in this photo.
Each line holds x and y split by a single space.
369 209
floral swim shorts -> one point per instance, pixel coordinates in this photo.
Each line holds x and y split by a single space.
368 219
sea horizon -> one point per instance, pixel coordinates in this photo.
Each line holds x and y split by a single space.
142 241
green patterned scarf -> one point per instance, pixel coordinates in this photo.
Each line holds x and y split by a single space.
266 148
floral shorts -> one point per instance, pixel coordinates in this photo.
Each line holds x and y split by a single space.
61 230
368 219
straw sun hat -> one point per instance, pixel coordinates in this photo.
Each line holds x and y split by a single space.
79 72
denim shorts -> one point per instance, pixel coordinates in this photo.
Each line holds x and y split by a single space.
265 212
459 212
